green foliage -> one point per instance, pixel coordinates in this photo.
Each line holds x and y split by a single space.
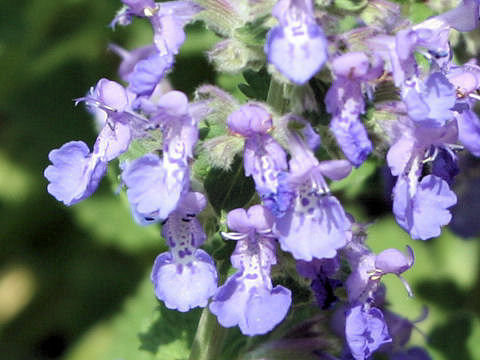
228 190
351 5
143 330
257 83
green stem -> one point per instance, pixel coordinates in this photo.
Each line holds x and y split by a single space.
208 341
275 97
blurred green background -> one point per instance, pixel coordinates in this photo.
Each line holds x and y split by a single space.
74 281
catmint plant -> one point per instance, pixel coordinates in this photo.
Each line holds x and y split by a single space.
318 118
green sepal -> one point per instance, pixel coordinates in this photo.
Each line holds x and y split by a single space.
234 56
221 150
142 146
221 16
253 33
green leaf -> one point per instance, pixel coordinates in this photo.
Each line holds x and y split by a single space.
228 190
257 84
102 210
143 330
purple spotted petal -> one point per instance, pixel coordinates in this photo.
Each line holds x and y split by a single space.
183 286
315 228
74 174
264 160
365 331
256 310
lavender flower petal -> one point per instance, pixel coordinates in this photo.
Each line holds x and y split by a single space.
74 174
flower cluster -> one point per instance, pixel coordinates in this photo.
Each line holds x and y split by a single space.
429 101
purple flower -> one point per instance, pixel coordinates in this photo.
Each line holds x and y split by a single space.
314 227
168 23
112 141
153 189
345 102
264 158
131 58
250 120
422 210
156 185
180 130
432 104
148 73
365 331
297 46
75 173
167 19
248 298
109 96
469 131
313 210
421 207
352 138
185 277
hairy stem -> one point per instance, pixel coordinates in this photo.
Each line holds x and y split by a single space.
275 97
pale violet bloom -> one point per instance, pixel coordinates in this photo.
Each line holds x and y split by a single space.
248 298
365 330
185 277
155 185
430 102
263 158
344 100
297 47
315 224
420 205
75 173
